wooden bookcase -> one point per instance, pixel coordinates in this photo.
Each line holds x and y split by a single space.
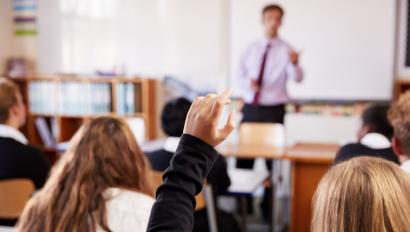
68 124
401 86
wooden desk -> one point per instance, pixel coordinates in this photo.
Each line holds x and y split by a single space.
310 162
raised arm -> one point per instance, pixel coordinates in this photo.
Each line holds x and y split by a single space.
175 198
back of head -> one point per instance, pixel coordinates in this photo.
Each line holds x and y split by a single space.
362 194
399 116
173 116
103 154
8 98
375 118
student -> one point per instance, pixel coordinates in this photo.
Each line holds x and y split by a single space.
194 158
399 116
373 137
17 158
173 120
100 184
362 194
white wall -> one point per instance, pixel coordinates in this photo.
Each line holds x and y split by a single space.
5 32
184 38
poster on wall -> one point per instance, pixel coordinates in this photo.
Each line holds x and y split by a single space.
24 17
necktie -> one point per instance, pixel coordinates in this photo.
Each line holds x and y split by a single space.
261 74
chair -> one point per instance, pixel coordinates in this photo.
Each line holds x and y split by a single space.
14 195
265 134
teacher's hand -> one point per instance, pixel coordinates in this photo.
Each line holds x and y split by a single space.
203 116
294 57
254 86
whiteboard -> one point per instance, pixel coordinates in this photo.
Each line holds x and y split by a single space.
347 46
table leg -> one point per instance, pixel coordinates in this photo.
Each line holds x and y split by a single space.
244 212
273 195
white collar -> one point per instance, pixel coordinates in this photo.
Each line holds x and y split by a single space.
375 141
13 133
406 166
171 144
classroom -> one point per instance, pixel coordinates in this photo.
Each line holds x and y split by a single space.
204 116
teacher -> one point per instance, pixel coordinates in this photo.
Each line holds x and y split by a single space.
264 70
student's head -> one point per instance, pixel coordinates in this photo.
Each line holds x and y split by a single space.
103 154
272 19
173 116
374 120
399 116
362 194
12 108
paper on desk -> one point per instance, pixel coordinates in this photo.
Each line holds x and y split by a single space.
246 180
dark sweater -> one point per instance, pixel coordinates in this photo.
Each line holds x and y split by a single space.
18 160
353 150
175 198
218 176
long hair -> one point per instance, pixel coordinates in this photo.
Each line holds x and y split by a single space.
362 194
103 154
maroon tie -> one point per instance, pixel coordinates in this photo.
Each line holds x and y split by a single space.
261 74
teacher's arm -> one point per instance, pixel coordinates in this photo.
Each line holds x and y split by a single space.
194 158
294 71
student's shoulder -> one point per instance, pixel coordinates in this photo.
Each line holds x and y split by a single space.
10 144
127 210
127 201
348 151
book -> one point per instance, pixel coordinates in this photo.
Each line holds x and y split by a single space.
45 132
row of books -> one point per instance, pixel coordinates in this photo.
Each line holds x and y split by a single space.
346 110
79 98
128 98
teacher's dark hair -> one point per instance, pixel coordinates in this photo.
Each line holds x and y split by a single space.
273 7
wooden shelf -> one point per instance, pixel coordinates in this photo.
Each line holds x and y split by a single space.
68 124
401 86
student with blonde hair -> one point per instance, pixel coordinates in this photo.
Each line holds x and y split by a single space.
100 184
362 194
399 116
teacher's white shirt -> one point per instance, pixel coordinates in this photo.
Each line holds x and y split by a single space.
278 70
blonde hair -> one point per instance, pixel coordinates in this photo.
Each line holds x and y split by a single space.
399 116
8 98
104 154
362 194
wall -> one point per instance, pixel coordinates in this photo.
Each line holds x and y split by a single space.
182 38
5 32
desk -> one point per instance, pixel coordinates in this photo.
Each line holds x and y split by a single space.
309 163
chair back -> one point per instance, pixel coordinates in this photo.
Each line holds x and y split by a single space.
262 134
14 195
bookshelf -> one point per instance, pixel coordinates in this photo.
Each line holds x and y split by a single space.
64 103
401 86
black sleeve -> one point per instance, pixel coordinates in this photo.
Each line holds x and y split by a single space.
175 198
218 176
38 167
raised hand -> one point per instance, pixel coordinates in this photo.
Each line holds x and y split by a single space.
203 116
